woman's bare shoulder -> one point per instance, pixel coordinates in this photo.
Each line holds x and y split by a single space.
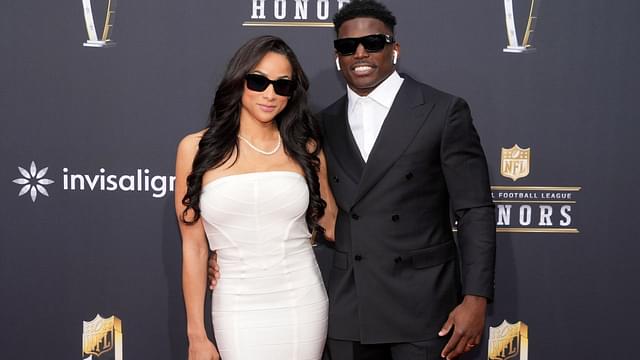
191 141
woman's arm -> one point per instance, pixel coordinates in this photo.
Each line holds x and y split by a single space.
195 252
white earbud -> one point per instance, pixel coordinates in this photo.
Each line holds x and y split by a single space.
338 64
395 57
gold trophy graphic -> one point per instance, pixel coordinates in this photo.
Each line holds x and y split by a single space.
105 40
509 341
512 35
102 338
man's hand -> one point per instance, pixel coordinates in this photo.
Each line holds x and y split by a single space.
213 271
467 321
328 225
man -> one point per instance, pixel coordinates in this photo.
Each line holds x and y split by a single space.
402 157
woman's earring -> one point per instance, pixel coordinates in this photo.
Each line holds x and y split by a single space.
395 57
338 64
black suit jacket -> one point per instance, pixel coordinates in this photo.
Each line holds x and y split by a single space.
397 272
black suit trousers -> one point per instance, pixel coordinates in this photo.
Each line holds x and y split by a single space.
353 350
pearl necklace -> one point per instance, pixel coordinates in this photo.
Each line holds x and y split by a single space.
260 150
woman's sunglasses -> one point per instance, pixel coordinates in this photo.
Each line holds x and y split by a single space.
371 43
282 87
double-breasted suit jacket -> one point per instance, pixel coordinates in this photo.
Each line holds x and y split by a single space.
397 272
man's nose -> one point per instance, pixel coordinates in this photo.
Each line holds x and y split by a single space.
361 52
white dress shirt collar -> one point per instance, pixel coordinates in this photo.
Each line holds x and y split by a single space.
383 94
366 114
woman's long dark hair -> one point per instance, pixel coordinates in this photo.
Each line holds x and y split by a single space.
295 123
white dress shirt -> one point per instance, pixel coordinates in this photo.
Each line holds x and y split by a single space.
367 113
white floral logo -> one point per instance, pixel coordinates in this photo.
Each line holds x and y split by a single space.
33 181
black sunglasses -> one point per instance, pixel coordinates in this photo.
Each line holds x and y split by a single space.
371 43
282 87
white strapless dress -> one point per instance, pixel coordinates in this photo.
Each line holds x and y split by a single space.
270 301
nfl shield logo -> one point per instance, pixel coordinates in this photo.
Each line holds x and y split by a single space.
509 341
514 162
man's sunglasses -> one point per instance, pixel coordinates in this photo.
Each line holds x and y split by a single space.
371 43
282 87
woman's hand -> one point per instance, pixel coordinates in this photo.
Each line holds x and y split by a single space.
202 350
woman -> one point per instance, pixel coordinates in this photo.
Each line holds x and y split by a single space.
252 184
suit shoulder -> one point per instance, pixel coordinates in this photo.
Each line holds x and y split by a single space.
332 111
430 92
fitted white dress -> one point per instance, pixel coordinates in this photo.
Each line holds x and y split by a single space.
270 301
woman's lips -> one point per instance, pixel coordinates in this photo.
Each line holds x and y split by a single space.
267 108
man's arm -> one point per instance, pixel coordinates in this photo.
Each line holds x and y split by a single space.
467 177
466 174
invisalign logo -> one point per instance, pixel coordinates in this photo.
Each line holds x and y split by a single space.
33 181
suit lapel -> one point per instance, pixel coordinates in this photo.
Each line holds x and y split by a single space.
406 116
340 139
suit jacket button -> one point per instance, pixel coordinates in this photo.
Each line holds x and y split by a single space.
397 260
335 179
357 257
355 216
395 218
409 176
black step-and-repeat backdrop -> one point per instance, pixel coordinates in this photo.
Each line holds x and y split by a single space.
96 94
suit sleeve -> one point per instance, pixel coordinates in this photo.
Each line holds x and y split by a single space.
465 169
